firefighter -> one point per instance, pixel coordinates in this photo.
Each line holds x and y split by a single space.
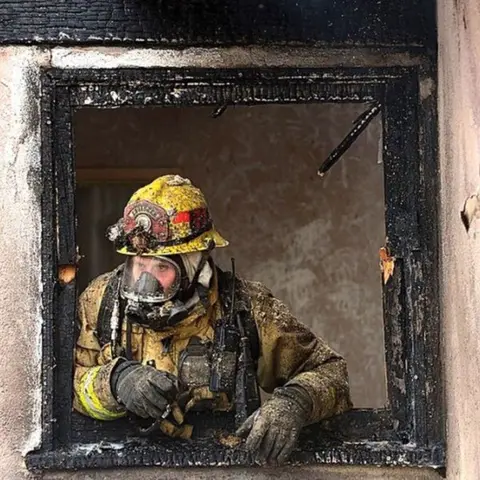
168 332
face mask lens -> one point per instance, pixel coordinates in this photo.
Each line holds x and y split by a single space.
150 279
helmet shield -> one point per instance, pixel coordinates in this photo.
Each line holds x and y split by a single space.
150 279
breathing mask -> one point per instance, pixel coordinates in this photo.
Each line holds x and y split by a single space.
152 286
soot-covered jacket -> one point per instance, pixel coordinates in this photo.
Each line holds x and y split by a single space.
287 353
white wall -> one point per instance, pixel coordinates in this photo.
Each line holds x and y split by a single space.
459 113
20 291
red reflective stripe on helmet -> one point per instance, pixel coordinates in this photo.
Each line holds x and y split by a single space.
181 217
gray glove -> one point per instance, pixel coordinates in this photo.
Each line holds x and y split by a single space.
272 431
143 390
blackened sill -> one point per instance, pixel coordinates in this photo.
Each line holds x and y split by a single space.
201 454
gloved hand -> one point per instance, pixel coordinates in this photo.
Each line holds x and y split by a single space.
142 389
272 431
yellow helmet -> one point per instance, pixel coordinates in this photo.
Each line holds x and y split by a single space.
167 217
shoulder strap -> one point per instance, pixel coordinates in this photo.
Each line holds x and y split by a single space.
106 306
242 306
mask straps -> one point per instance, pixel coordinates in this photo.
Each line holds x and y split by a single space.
202 291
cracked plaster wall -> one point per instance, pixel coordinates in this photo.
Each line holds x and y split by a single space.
20 299
459 113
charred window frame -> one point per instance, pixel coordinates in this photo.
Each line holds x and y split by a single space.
410 430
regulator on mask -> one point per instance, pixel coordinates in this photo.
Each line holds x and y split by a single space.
151 287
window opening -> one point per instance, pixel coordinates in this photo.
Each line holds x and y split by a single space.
313 242
407 430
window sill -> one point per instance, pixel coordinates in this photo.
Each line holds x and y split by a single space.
201 454
359 437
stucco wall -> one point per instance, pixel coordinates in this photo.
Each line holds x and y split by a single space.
320 473
20 299
20 304
459 113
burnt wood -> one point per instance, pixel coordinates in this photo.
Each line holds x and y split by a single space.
219 22
428 215
49 262
206 453
411 429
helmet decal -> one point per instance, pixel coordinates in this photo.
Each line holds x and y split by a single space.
148 217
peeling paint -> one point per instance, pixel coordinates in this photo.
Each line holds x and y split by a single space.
67 273
89 448
427 88
471 210
387 264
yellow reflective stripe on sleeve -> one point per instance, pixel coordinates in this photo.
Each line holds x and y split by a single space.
90 401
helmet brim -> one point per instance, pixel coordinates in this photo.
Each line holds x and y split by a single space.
201 243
